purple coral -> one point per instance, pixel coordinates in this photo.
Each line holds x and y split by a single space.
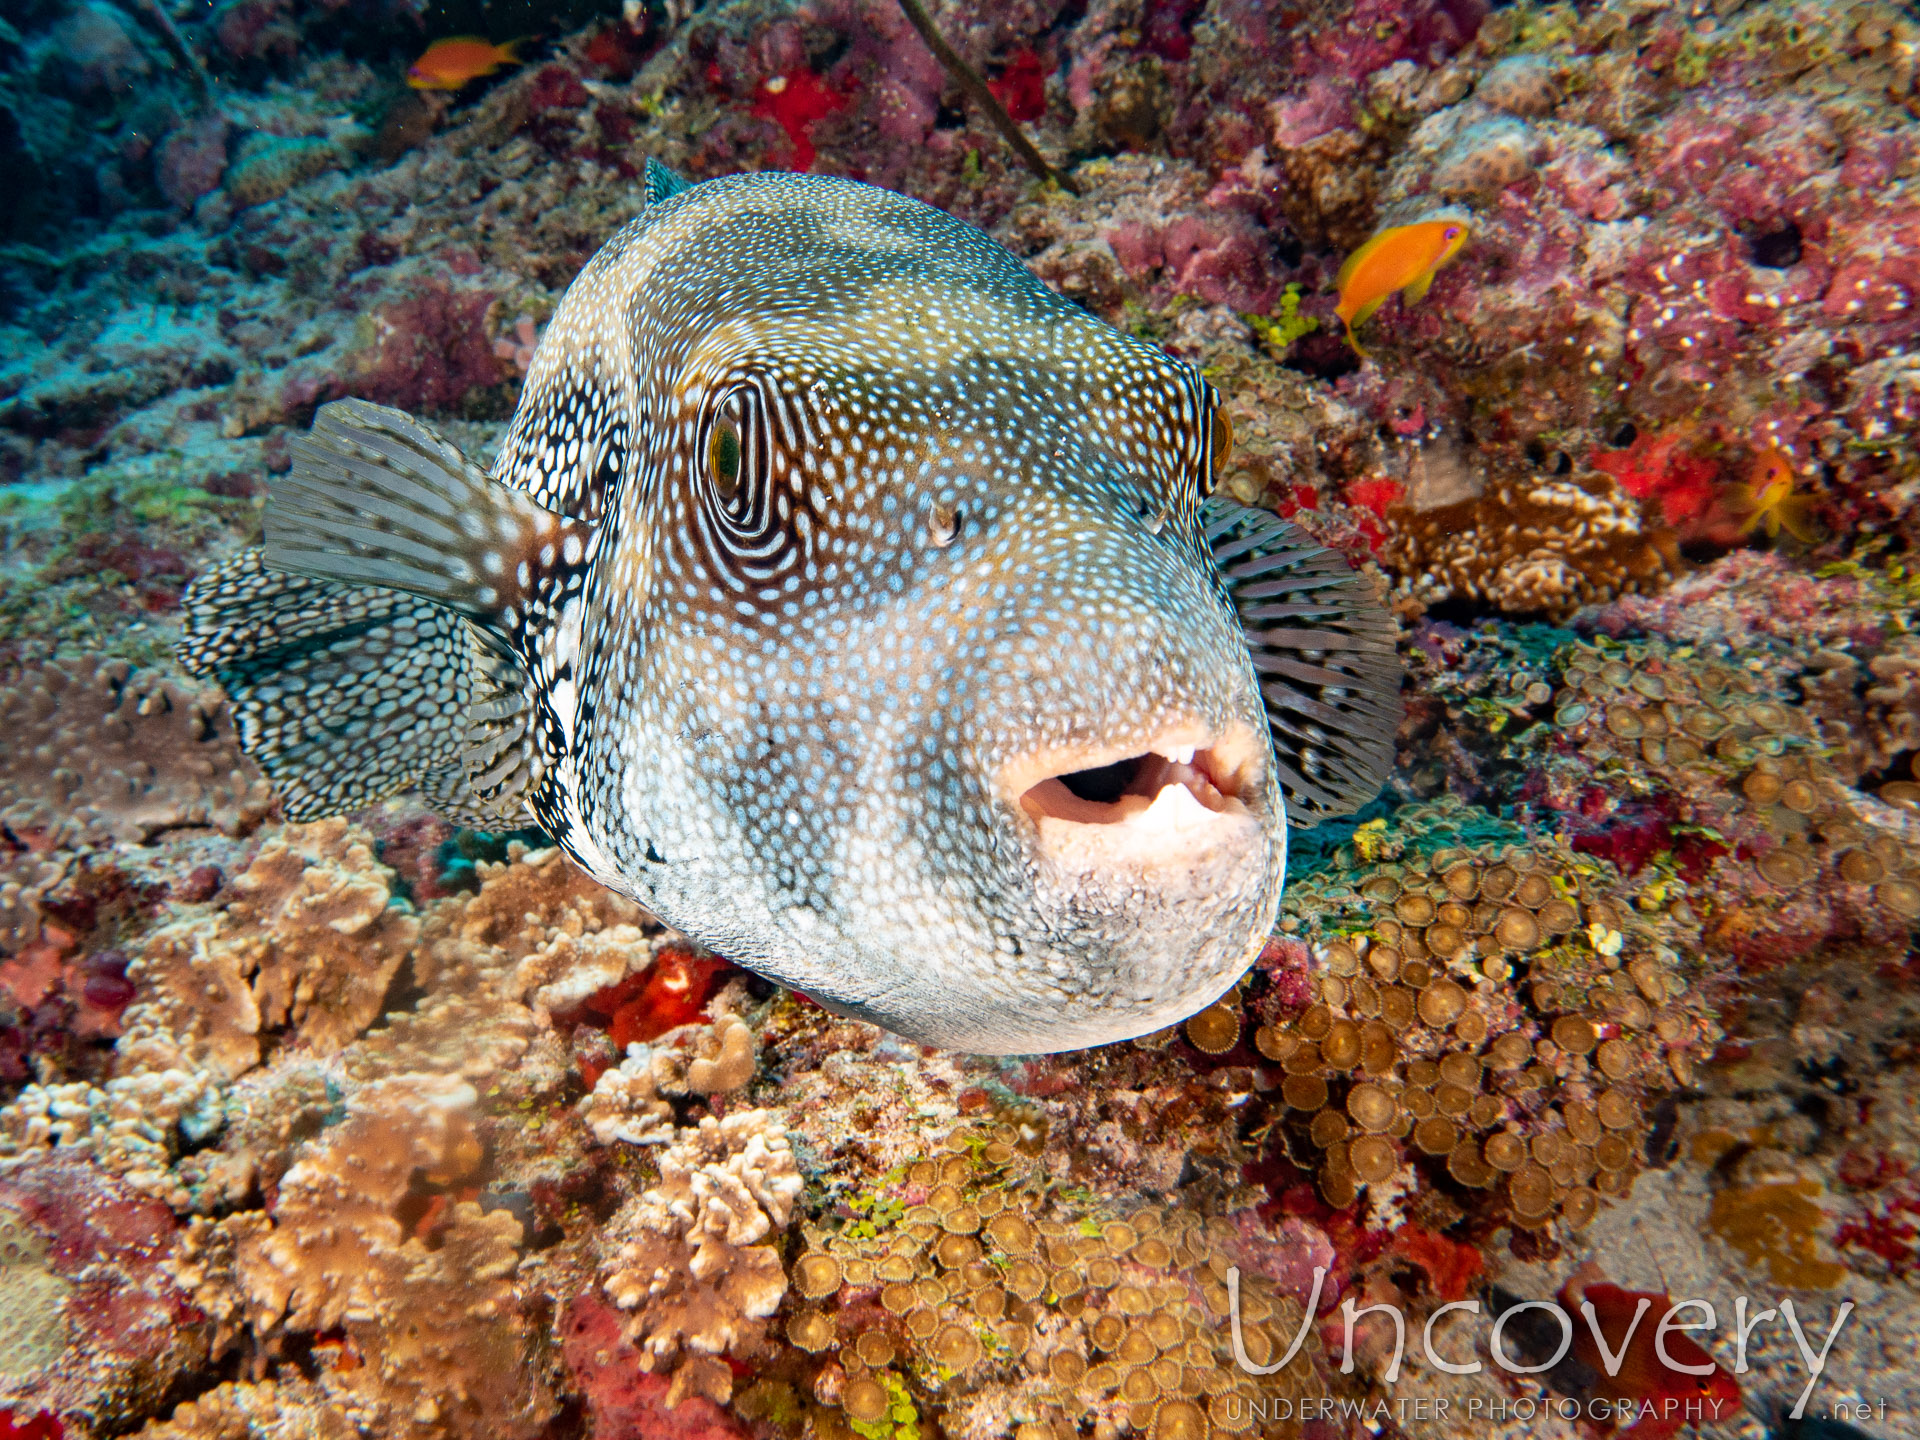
191 161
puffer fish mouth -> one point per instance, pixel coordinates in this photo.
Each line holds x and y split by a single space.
1188 791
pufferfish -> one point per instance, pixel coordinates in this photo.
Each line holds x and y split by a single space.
847 599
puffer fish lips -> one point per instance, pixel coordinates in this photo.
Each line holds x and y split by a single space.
993 770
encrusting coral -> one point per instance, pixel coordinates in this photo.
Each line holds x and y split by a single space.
443 1345
98 751
302 952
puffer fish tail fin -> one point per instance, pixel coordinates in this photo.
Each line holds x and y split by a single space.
344 695
378 503
662 183
1323 649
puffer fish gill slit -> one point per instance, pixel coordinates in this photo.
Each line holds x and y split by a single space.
850 600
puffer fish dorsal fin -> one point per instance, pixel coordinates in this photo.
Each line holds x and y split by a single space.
662 183
1323 649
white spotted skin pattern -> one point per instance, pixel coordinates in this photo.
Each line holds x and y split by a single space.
783 712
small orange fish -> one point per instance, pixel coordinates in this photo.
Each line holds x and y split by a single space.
1403 257
450 64
1768 499
1662 1399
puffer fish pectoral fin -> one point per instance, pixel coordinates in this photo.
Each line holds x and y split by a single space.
501 762
343 694
1323 649
662 183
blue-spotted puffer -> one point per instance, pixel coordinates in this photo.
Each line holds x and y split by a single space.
848 599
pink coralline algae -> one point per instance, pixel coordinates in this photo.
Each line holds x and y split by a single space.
1219 260
624 1401
191 161
427 350
118 1328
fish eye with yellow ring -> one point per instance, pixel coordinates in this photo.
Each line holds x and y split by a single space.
723 457
1222 450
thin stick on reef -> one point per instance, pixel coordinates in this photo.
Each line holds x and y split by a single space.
154 15
971 82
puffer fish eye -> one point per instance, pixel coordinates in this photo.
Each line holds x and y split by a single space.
723 458
1222 449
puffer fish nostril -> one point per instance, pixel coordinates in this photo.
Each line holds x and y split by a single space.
944 526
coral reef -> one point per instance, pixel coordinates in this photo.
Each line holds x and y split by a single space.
376 1127
305 944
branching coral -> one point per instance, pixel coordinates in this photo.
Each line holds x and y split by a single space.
696 1264
626 1102
98 751
447 1350
307 947
626 1105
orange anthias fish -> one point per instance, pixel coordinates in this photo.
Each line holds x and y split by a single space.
1403 257
1768 499
450 64
1651 1401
